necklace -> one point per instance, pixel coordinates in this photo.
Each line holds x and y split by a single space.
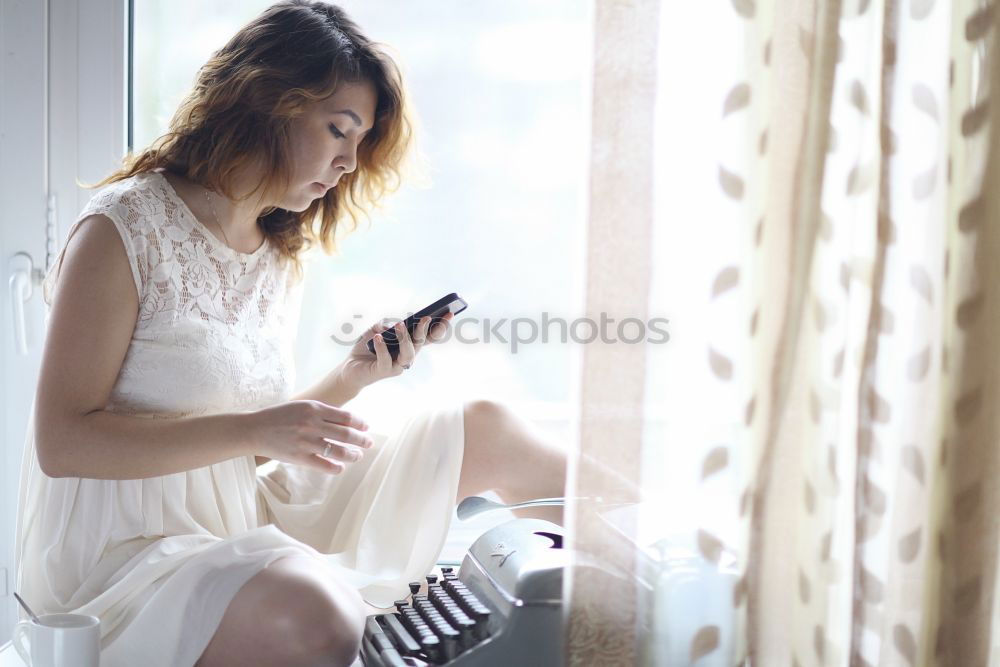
214 215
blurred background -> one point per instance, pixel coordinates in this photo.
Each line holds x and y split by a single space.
498 219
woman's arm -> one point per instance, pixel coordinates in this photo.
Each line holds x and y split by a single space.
332 390
105 445
93 315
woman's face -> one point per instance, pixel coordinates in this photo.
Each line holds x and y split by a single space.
324 142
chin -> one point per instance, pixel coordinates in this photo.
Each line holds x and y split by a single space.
302 203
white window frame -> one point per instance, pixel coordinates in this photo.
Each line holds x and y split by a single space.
64 84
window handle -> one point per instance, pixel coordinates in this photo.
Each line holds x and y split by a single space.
21 274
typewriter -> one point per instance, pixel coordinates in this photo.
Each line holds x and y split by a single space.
504 604
502 607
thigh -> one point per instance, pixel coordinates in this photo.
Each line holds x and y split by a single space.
295 611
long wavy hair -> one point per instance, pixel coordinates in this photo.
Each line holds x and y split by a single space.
242 104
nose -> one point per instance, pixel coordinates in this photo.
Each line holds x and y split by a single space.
347 159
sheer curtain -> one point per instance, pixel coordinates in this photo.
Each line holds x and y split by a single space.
819 430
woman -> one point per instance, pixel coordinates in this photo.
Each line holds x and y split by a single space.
166 381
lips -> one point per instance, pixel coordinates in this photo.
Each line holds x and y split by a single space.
327 186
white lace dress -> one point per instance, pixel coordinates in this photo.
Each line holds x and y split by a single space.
159 559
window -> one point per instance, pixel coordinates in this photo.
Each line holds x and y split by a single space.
501 89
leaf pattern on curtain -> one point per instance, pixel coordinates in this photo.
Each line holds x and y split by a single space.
862 488
848 308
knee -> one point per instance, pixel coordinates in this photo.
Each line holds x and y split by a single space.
484 411
324 623
482 421
345 619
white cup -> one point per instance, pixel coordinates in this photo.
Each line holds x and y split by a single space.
59 640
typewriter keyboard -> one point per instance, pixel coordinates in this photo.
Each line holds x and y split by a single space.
433 628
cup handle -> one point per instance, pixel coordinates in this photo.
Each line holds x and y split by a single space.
21 629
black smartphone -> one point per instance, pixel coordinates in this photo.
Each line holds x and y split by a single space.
451 303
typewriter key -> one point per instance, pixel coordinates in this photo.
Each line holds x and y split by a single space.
408 645
368 652
413 623
449 637
381 642
431 646
465 602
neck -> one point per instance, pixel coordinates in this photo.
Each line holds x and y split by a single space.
239 217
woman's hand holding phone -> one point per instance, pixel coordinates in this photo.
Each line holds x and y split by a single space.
361 368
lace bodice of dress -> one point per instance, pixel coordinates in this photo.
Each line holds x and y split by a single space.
215 326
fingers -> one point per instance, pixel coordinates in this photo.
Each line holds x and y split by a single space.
383 360
407 351
338 452
376 328
420 332
343 431
404 344
335 415
407 345
441 328
339 447
347 435
305 427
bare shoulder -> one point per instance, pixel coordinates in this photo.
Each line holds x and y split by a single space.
95 259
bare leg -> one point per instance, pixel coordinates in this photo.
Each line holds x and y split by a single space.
294 612
510 456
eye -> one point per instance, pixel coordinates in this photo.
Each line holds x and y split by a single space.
337 133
